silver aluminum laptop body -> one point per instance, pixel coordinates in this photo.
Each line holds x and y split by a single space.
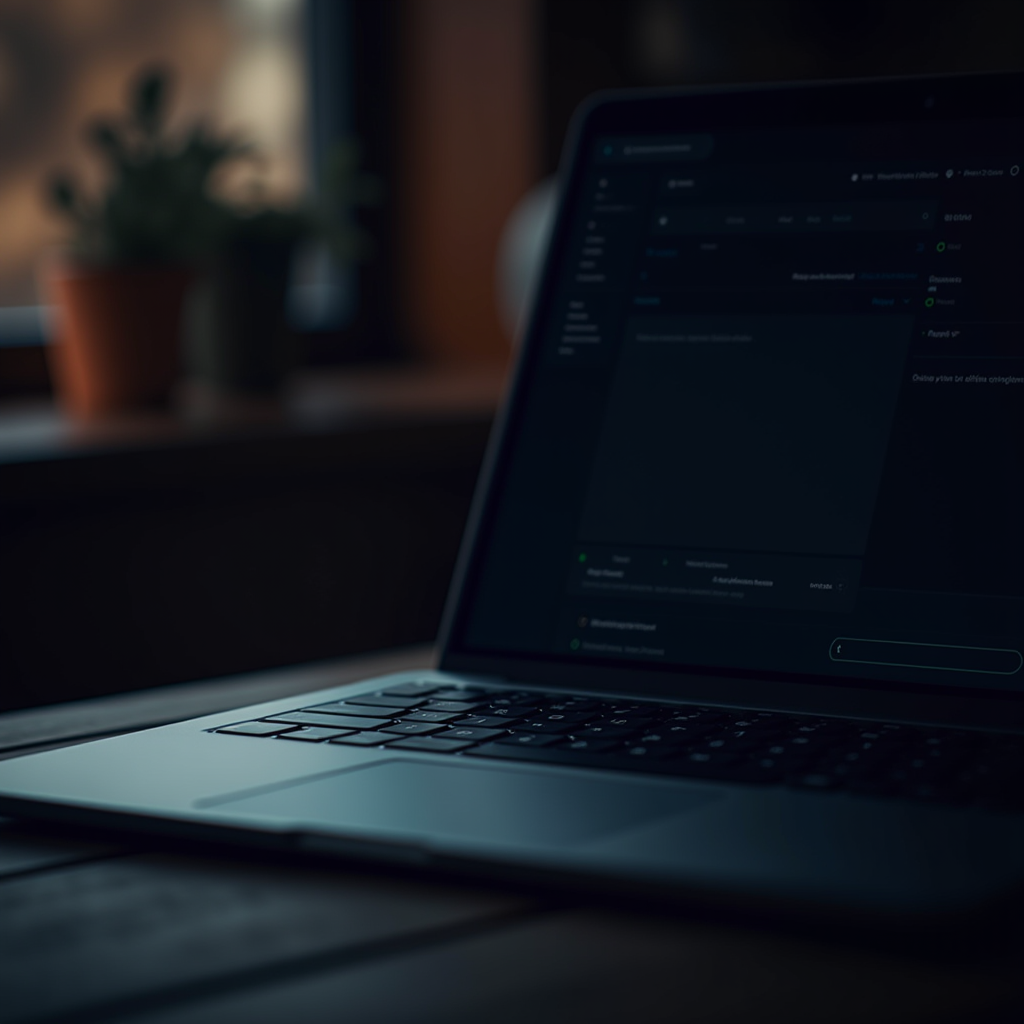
629 183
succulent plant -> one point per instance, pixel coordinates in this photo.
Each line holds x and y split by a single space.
157 207
327 217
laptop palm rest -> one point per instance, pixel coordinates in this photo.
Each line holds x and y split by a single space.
468 802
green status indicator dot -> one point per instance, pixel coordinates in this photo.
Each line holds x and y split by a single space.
574 644
583 557
940 247
929 302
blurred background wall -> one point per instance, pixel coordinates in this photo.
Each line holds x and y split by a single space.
222 554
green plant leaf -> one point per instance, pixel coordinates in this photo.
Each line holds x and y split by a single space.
62 193
148 99
103 134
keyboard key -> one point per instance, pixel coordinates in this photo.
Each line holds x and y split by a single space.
416 689
689 726
363 739
676 715
430 744
451 705
807 746
527 739
566 717
311 734
606 732
524 701
659 738
711 759
590 746
857 762
486 722
735 744
347 708
413 728
457 732
537 752
541 725
467 694
327 721
256 729
509 710
376 700
644 751
626 722
641 716
431 716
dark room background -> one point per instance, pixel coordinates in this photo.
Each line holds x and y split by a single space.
325 520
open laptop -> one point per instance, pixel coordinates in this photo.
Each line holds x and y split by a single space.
740 611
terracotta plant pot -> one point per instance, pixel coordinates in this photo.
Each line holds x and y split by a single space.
117 341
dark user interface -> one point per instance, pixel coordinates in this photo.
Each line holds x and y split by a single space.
775 422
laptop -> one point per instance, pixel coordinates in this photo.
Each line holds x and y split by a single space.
740 610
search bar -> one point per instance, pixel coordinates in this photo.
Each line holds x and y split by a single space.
660 148
941 657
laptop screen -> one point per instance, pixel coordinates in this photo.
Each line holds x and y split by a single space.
771 415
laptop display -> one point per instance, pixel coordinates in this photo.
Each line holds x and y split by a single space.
775 408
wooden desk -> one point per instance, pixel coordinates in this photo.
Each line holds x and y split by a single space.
100 930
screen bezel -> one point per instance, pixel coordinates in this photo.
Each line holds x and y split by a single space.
790 105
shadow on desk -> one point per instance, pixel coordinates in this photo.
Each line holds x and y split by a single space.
168 548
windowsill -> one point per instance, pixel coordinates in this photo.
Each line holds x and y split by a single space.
314 402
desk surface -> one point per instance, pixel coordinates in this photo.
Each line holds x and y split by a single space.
94 929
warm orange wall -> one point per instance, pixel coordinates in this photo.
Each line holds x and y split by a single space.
471 154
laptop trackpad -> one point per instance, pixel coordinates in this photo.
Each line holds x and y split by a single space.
469 801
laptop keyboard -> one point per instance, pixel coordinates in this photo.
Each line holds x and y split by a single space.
755 747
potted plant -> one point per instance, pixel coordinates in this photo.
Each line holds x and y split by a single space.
137 250
240 340
120 288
